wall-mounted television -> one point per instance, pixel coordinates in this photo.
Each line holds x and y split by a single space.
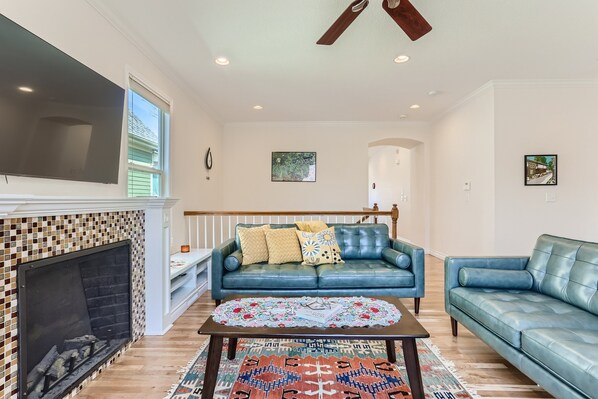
58 118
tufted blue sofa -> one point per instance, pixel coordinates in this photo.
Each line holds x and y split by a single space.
365 271
539 313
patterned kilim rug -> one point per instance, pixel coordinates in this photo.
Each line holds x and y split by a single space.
320 369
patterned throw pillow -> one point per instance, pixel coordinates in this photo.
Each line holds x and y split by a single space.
319 248
253 244
283 246
311 226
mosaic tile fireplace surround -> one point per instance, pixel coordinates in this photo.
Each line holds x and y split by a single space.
27 239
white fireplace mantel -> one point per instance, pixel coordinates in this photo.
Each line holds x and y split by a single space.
17 206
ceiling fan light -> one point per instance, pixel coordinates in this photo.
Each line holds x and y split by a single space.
393 3
360 6
402 59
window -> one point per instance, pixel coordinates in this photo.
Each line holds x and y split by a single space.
148 127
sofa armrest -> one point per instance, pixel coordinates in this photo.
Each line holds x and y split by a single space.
220 253
417 266
452 265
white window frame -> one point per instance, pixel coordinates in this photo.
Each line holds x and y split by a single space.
154 96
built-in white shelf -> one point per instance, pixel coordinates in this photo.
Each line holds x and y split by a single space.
188 278
172 282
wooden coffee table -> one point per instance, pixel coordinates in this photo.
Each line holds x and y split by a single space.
406 331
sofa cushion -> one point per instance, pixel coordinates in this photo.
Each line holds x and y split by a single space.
566 269
311 226
396 258
362 241
283 246
253 244
233 261
265 276
363 274
319 248
495 278
570 353
508 313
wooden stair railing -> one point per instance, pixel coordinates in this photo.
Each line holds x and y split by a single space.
374 208
217 226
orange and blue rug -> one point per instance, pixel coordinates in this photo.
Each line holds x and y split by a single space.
320 369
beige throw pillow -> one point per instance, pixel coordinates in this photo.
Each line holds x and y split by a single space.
283 246
319 248
253 244
311 226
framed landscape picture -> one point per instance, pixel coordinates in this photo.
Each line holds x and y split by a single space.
294 166
540 170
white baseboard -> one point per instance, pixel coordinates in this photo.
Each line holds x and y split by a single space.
437 254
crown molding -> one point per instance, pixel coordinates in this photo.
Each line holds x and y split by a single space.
498 84
474 94
18 206
545 83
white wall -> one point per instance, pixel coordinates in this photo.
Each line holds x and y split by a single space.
546 118
391 172
79 30
462 222
342 164
484 140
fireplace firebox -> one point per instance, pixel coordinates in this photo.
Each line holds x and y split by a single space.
74 313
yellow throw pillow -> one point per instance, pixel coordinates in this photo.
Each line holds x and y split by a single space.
253 244
311 226
283 246
319 248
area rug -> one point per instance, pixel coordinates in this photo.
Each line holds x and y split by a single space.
320 369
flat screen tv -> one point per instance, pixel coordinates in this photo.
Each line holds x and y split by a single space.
58 118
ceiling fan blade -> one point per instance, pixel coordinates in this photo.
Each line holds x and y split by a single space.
408 18
342 23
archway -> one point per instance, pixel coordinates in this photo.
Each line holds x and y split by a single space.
395 176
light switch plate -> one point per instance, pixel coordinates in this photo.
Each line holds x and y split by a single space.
551 196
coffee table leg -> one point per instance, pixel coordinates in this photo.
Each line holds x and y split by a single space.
413 369
232 348
391 353
212 364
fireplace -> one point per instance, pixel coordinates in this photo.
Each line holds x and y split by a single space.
74 314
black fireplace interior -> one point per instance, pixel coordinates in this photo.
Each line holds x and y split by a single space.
74 313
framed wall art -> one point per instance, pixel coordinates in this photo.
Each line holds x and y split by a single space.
540 170
293 166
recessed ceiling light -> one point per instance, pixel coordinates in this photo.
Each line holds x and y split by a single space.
414 106
258 107
401 59
432 93
222 61
402 116
26 89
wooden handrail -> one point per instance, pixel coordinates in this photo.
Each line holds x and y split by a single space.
289 213
366 214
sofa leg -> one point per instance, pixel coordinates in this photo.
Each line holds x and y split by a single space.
218 301
417 301
454 326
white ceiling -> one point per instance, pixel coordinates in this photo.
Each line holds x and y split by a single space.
276 63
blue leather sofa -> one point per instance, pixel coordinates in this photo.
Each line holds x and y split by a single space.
365 271
539 313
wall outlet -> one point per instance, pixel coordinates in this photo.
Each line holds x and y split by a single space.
467 186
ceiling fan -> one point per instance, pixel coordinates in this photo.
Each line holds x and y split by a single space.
401 11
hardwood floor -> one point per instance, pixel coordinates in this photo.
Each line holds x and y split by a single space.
151 366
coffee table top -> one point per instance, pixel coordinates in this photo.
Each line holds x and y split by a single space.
407 327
